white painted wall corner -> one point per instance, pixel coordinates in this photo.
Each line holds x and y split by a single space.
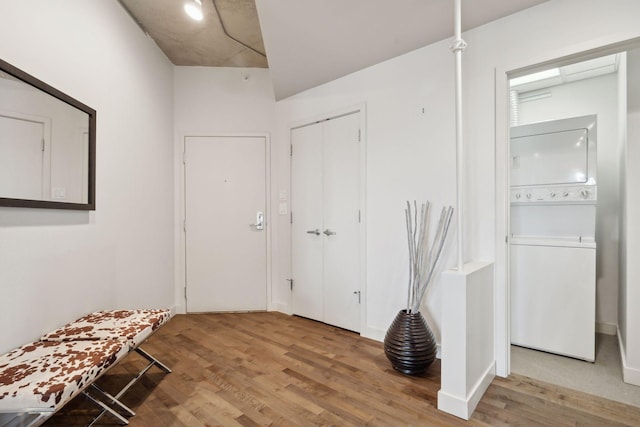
606 328
629 375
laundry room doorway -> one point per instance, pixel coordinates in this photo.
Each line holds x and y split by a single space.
579 213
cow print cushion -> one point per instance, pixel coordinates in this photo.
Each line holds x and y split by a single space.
43 376
135 326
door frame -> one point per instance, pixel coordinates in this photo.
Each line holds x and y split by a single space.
46 154
360 109
582 52
180 212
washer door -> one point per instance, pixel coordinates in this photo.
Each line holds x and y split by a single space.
553 299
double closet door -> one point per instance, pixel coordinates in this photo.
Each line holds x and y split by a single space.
326 221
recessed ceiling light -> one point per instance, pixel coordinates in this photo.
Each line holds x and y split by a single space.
542 75
194 9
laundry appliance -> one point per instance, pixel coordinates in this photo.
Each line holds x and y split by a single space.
552 243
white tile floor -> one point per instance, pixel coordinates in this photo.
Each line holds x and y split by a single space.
602 378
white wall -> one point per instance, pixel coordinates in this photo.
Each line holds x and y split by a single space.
630 241
411 155
599 96
212 101
57 265
622 155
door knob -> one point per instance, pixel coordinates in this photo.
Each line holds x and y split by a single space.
329 232
316 232
259 225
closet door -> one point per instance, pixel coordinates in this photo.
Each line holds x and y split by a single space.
326 229
306 208
341 230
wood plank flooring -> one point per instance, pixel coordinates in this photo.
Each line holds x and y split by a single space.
270 369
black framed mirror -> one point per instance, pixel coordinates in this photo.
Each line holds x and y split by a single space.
47 145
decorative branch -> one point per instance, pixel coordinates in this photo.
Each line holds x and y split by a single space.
422 258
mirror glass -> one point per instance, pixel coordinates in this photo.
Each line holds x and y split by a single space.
47 145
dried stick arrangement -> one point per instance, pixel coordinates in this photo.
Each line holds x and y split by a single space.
422 258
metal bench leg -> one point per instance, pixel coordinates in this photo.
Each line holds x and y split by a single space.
114 400
152 359
105 408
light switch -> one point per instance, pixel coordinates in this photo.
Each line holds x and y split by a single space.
282 195
283 209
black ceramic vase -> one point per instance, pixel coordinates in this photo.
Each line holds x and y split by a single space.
409 343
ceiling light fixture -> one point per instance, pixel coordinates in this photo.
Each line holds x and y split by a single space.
194 9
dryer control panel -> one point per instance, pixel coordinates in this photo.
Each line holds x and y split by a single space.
555 194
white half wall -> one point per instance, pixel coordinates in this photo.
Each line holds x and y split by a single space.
57 265
468 362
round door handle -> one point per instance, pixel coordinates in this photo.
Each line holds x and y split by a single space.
316 232
329 232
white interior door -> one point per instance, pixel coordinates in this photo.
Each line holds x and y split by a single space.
325 199
225 193
307 240
341 232
21 159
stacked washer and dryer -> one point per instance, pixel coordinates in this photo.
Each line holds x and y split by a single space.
553 248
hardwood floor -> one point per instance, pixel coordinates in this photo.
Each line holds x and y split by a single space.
249 369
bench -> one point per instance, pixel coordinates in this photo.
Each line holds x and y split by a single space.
39 378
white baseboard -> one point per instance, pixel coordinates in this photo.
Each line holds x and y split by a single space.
629 375
179 308
606 328
463 406
370 333
280 307
373 334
